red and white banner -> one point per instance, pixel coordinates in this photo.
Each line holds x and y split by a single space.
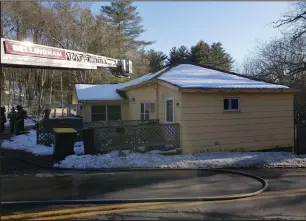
20 48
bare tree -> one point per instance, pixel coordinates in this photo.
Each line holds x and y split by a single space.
295 20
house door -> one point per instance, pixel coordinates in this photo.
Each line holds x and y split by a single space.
169 110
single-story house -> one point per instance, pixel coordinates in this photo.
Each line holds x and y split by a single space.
216 110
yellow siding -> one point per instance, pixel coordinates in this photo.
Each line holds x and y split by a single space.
164 91
86 112
265 121
86 109
74 97
146 94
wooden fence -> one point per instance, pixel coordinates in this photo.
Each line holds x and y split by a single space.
135 136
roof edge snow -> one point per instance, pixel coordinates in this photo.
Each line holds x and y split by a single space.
257 90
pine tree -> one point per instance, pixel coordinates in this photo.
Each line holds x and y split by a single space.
219 58
123 17
178 55
200 53
157 60
213 56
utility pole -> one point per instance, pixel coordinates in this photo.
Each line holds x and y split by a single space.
62 96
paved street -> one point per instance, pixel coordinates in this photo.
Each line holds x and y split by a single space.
284 199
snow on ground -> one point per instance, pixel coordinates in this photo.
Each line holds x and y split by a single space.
152 159
205 160
27 122
27 142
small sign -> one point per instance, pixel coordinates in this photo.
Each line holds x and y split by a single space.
21 48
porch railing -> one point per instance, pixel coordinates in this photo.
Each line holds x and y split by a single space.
136 136
45 134
119 123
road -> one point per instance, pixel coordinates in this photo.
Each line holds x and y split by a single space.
284 199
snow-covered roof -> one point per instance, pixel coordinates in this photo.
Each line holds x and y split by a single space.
97 92
183 76
193 76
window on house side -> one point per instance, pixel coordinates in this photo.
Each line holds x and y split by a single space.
144 111
105 112
113 112
231 104
98 112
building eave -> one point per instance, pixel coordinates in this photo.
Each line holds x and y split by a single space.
244 90
98 101
145 83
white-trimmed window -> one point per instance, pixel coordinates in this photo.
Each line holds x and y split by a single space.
231 104
105 112
144 111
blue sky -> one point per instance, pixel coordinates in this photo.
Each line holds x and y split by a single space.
239 26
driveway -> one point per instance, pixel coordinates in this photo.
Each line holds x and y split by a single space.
284 199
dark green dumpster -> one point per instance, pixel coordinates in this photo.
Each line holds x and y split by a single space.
64 143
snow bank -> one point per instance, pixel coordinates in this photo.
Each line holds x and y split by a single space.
205 160
27 142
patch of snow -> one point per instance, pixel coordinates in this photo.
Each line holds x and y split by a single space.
27 142
27 122
141 148
204 160
192 76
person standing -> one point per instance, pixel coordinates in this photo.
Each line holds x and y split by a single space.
3 119
20 117
12 117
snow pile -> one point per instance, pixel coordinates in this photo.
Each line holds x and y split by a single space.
205 160
27 142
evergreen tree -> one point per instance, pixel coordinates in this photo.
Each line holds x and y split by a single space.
219 58
178 55
157 60
123 17
200 53
213 56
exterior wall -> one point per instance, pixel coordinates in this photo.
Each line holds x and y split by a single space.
166 90
265 121
74 97
86 109
146 94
